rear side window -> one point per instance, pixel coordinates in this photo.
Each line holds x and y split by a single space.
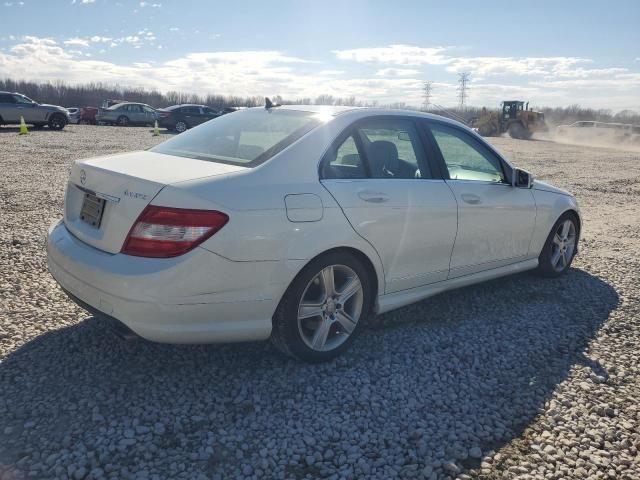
6 98
345 161
379 148
246 138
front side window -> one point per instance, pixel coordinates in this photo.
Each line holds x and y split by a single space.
148 109
246 138
23 100
464 157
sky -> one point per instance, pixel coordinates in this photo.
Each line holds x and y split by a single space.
551 53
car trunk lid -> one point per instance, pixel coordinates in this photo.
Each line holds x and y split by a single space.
105 195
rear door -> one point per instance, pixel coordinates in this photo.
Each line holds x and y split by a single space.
379 174
193 115
495 219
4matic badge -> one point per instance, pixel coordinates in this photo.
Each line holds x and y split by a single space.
137 195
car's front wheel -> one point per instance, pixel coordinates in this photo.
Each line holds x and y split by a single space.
561 246
57 122
324 308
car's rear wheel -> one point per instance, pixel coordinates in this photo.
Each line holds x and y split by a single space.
122 121
57 122
181 126
324 308
561 246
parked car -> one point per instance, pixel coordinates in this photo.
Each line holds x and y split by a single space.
74 114
15 105
127 113
88 115
183 117
298 222
591 128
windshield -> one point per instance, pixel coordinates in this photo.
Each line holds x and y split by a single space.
246 138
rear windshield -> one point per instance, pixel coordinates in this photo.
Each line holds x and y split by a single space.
247 137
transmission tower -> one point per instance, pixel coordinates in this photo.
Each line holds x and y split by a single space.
427 88
463 87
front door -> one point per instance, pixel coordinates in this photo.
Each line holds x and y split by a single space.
495 220
380 176
26 108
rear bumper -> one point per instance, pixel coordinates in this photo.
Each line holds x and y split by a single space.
198 297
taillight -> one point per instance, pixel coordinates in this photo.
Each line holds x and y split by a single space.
164 114
164 232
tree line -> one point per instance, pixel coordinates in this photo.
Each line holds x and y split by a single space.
93 94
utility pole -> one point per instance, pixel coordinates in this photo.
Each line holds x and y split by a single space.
427 87
463 86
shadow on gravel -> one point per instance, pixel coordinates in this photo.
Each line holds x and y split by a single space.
422 386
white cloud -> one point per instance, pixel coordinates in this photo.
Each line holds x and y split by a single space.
99 39
152 5
260 72
397 72
480 67
77 42
395 55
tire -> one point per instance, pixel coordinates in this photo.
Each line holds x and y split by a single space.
57 122
516 130
553 260
322 337
180 126
122 121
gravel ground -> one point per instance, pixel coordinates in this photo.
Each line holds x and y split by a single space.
516 378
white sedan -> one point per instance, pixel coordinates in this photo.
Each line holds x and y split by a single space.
297 223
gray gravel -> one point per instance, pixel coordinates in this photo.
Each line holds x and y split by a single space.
517 378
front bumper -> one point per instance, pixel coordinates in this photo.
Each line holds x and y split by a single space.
198 297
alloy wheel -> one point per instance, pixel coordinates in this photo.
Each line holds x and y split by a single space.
181 127
330 308
563 245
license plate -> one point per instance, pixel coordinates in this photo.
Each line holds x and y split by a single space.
92 209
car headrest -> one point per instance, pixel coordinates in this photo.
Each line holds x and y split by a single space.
383 156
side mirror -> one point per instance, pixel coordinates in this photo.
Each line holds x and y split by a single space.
522 178
404 136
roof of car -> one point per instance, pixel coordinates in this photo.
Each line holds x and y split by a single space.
113 107
335 110
173 107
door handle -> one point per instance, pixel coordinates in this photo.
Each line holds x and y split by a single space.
471 199
373 197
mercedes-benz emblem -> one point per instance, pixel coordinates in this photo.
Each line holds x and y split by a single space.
83 177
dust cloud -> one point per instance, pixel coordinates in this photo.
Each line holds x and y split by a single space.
594 137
